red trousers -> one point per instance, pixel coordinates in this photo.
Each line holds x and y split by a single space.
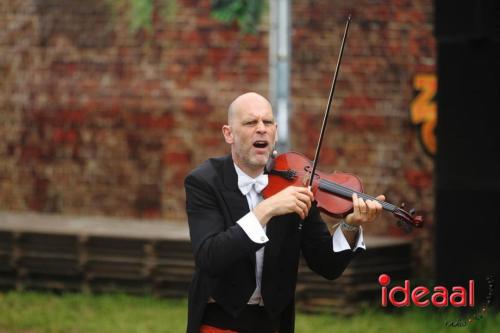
211 329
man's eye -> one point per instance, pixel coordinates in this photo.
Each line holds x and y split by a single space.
250 123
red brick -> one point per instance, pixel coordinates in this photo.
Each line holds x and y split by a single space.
148 121
418 178
62 136
358 102
361 122
61 68
151 213
213 141
328 157
30 153
76 117
217 56
177 158
70 136
193 72
196 105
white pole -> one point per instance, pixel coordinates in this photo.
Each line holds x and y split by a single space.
279 61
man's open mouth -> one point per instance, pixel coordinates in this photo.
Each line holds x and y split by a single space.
260 144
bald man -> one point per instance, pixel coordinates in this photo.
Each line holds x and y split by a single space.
247 249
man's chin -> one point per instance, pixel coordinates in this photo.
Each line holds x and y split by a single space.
260 160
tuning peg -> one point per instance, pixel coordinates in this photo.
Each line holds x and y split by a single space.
419 221
412 211
274 153
402 205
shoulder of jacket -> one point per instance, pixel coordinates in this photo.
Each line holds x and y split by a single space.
208 169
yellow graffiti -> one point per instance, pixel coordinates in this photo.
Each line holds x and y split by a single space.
423 110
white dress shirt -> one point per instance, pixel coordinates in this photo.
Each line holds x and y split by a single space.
257 233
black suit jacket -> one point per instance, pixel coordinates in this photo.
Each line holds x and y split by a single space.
225 255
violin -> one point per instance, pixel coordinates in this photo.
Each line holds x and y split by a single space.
332 192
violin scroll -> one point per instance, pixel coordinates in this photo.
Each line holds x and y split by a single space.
408 220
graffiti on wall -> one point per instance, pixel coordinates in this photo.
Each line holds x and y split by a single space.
423 110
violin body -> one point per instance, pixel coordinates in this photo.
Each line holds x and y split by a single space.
335 206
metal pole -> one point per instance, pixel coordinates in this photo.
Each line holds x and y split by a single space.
279 61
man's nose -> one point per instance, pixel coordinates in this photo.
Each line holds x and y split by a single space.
261 127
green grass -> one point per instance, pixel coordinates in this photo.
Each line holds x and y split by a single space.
31 312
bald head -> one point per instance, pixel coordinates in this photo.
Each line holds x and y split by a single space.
244 102
251 132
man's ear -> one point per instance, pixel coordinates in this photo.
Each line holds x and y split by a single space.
228 134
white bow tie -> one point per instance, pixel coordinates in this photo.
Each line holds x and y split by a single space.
245 183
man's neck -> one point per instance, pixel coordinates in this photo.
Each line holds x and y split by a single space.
251 172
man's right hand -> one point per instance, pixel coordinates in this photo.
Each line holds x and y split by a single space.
293 199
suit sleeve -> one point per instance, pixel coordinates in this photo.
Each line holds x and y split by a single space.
216 248
318 251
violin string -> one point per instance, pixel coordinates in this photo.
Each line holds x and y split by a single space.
347 192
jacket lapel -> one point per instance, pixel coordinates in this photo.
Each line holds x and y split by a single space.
236 202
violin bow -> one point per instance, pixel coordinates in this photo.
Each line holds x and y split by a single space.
329 104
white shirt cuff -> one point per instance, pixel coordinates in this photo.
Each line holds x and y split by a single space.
340 243
252 227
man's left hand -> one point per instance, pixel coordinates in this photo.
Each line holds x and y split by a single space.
364 211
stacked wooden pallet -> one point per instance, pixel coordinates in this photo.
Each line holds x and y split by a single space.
103 255
94 255
46 261
7 269
173 269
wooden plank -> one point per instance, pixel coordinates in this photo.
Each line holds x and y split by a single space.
94 226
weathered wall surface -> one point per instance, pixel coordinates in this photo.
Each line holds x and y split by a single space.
97 120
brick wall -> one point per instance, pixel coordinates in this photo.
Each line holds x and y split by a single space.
98 120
